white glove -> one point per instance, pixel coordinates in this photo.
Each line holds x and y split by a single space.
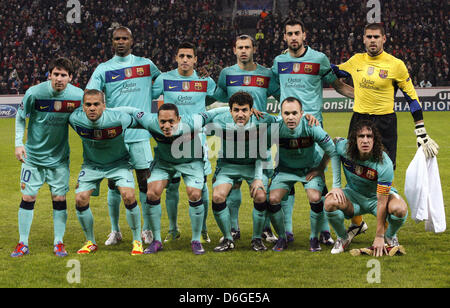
430 148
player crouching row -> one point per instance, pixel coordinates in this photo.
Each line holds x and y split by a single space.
368 171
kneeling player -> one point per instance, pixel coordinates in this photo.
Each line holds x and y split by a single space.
104 156
369 173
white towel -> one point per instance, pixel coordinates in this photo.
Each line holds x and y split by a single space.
424 193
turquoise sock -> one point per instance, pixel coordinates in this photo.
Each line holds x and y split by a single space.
196 213
233 204
314 221
259 218
277 220
205 198
59 225
288 207
223 221
395 223
25 220
153 211
142 200
114 199
336 220
134 221
172 199
86 220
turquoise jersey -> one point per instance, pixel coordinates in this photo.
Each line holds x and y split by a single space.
260 83
103 140
188 93
47 142
126 81
366 177
185 144
302 78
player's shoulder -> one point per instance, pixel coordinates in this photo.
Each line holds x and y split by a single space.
260 69
386 163
75 90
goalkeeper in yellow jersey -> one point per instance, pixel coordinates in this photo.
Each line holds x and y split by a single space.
376 77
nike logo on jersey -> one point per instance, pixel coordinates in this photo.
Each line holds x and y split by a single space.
283 69
233 81
43 107
358 70
171 87
115 77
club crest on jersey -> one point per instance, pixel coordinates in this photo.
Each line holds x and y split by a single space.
140 71
112 133
370 70
370 174
247 80
383 74
198 86
128 72
70 107
186 85
296 67
97 133
259 81
57 105
308 68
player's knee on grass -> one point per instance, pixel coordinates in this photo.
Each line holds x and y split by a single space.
219 196
142 175
194 194
128 196
153 195
275 196
314 196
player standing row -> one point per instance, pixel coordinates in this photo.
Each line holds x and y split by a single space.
126 81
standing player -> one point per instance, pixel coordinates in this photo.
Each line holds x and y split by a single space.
184 88
369 173
126 80
376 77
301 71
179 151
45 156
250 77
301 159
105 155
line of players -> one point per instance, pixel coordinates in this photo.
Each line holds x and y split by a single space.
126 80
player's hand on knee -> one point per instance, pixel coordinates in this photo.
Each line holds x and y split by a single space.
20 153
313 173
338 195
429 146
256 185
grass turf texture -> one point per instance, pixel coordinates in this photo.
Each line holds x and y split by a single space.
425 265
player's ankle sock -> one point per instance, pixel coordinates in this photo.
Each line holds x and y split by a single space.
288 207
205 198
142 200
59 220
114 200
134 220
357 220
172 199
222 217
86 220
153 210
26 212
196 213
395 223
336 220
259 218
233 204
276 216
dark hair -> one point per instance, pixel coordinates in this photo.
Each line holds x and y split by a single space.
244 37
61 63
169 106
294 22
241 98
352 146
123 28
375 26
292 99
187 45
92 92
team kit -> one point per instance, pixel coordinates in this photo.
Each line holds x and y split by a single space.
114 119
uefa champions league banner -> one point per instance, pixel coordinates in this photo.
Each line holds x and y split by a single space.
432 99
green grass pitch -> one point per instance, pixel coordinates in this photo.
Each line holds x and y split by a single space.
426 264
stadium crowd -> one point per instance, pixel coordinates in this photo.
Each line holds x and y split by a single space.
34 32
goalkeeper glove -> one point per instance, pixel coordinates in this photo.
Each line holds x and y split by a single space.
430 148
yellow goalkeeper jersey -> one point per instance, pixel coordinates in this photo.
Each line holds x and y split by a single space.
376 79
